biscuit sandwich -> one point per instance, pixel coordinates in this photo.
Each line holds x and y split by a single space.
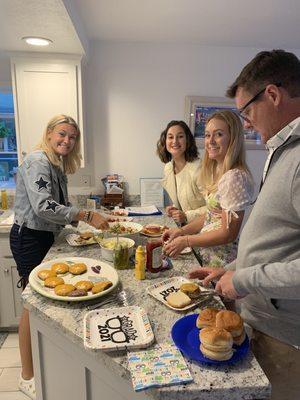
216 343
178 299
233 323
191 289
207 317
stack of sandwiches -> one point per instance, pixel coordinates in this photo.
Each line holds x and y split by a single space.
220 329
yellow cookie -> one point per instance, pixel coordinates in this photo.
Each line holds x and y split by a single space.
60 268
64 290
101 286
53 281
77 269
84 285
46 273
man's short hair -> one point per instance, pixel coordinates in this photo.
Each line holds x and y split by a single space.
269 67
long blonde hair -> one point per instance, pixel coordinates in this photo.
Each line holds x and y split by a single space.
235 155
70 163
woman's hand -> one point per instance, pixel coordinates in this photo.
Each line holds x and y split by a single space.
176 246
176 214
98 222
207 274
171 234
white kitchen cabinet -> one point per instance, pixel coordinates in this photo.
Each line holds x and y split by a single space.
42 88
10 295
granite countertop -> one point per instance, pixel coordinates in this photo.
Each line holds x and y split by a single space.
244 380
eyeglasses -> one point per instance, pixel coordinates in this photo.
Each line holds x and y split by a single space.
252 100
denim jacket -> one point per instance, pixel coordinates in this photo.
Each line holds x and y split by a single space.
37 201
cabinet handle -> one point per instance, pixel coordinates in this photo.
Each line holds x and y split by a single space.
6 270
24 153
8 257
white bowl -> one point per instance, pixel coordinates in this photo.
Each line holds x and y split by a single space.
107 254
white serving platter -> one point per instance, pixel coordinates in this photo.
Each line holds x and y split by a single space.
107 272
117 329
162 289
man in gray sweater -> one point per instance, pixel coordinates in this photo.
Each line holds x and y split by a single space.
266 273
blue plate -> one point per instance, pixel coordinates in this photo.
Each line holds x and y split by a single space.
185 335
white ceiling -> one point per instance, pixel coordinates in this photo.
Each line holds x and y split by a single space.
251 23
45 18
254 23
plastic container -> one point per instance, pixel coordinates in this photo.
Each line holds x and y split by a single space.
107 246
154 255
3 199
140 263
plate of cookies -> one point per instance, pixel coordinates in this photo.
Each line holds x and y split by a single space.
179 293
73 279
212 337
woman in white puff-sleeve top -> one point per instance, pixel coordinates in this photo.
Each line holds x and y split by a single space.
228 189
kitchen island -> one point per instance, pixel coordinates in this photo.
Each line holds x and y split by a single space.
64 368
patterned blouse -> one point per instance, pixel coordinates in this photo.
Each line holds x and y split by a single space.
233 194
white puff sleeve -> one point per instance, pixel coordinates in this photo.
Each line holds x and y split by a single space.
235 191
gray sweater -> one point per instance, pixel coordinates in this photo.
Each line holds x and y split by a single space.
268 261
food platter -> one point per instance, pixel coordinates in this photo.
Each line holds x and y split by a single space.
124 228
185 335
149 230
106 272
75 240
162 289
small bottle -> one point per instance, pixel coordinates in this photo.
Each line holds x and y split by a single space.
154 255
3 199
140 263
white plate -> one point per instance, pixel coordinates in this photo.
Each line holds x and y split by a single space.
72 237
152 234
162 289
107 272
117 329
133 225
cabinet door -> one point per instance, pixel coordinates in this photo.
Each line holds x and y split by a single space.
10 295
44 88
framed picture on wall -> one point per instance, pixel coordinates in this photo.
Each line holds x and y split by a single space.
198 108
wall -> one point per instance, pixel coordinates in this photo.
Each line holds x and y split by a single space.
134 90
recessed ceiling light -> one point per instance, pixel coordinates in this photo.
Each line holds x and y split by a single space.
36 41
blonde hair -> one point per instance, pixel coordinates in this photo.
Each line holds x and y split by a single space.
235 155
71 162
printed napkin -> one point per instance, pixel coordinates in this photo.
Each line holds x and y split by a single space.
161 365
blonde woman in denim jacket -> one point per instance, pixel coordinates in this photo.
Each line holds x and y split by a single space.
41 210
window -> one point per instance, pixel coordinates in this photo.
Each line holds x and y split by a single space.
8 142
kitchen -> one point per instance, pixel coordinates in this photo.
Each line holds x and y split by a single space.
124 100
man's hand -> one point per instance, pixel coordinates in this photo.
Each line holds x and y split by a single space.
207 274
225 286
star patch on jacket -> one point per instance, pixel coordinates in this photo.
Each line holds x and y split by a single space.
51 205
41 184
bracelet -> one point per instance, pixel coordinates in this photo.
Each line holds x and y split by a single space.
187 241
